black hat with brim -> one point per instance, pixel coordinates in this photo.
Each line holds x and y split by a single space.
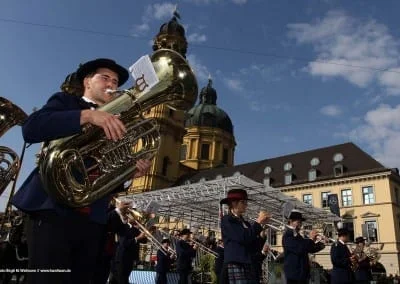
343 232
91 66
185 232
295 215
360 240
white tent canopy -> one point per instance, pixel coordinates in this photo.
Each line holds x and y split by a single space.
198 204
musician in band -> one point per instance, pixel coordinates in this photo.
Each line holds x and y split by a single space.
164 260
239 237
362 272
260 252
296 249
60 237
185 253
342 259
219 260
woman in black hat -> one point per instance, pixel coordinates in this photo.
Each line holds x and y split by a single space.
239 237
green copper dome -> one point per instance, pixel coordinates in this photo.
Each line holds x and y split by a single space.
206 113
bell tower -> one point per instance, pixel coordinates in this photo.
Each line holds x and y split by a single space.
165 168
209 141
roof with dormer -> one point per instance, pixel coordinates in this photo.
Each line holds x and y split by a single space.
354 162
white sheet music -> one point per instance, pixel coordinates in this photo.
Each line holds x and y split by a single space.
144 67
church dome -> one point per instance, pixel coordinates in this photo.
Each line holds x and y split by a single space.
206 113
172 27
172 36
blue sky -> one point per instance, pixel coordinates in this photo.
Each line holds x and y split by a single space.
292 75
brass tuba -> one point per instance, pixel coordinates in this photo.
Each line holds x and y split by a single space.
82 168
10 115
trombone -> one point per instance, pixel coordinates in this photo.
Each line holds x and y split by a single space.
134 216
204 248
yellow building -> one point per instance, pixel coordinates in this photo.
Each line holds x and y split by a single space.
199 145
368 192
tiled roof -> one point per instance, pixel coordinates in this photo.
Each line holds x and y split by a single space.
355 162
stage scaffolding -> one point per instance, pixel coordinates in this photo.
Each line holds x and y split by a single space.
197 204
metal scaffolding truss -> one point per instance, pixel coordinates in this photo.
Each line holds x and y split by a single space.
197 205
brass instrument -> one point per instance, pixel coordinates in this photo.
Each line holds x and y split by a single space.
10 115
203 248
66 163
138 218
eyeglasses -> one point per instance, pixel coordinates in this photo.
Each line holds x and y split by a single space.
106 78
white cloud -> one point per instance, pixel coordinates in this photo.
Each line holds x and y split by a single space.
239 2
392 81
153 12
234 84
331 110
206 2
380 130
200 70
354 48
196 38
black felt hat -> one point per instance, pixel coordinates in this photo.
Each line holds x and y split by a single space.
92 66
296 215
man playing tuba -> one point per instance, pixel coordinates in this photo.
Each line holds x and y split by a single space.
60 237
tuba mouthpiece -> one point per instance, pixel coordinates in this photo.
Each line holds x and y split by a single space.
111 91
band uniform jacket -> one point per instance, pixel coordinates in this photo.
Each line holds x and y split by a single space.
340 257
164 262
239 237
219 261
363 271
59 117
185 254
296 250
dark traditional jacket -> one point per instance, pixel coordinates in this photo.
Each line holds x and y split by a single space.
239 237
164 262
340 257
296 250
60 117
185 254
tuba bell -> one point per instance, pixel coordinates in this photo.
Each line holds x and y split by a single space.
10 115
82 168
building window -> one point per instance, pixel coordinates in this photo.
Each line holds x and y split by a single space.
349 225
312 174
338 170
307 198
347 199
205 151
183 152
288 179
370 231
165 166
225 156
324 199
287 167
368 195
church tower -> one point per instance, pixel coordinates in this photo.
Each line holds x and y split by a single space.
209 141
166 167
